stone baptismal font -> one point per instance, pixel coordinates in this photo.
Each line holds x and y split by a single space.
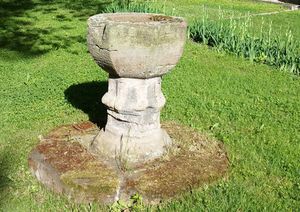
132 153
136 50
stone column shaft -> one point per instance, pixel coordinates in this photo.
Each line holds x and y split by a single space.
133 108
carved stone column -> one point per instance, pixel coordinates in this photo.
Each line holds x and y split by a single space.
133 122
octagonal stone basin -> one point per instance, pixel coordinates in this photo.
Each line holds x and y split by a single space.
136 45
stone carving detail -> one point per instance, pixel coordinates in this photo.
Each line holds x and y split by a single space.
135 104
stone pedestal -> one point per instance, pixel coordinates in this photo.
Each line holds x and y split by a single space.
133 123
136 50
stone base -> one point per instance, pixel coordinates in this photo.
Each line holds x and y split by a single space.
133 129
62 163
131 149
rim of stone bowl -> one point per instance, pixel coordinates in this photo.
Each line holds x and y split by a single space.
134 18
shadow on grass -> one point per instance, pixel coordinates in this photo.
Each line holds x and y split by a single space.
85 8
87 97
20 32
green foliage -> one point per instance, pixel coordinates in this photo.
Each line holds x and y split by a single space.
135 204
235 36
129 6
122 3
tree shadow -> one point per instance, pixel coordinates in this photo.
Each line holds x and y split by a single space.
85 8
14 7
87 97
36 27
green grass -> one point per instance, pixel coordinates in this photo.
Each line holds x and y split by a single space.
45 82
281 22
192 9
237 37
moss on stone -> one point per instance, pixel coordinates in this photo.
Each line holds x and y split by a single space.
194 160
94 180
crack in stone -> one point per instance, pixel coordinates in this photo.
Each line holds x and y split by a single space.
105 49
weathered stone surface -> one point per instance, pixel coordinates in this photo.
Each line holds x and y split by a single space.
65 166
136 50
133 123
135 45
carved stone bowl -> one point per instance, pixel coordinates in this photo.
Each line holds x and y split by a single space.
136 45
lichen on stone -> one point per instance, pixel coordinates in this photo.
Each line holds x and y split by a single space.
94 180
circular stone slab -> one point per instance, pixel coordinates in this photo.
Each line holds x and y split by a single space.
62 163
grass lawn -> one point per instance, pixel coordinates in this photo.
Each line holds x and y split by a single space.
252 108
281 23
192 9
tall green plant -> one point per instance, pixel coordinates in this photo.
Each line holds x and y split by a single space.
235 36
123 3
131 6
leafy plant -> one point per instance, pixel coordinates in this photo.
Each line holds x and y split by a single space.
123 3
235 36
135 204
131 6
